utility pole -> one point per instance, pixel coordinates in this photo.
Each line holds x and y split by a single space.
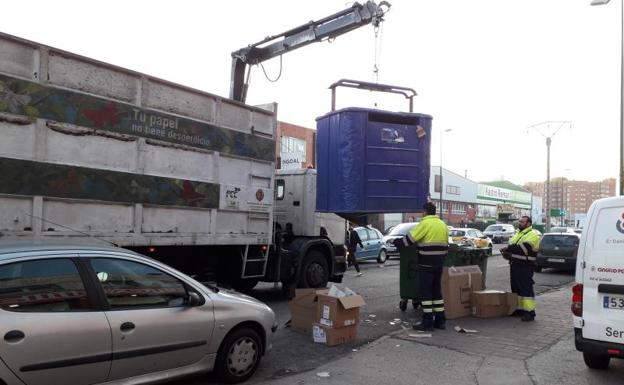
561 123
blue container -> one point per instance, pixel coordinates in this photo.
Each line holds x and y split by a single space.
372 161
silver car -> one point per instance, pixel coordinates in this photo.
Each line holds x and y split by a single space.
75 314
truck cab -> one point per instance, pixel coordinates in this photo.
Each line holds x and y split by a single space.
316 239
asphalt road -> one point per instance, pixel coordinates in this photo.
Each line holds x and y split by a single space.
293 352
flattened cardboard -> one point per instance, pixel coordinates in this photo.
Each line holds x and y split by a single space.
493 303
458 283
333 336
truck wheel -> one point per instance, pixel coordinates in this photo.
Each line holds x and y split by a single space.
314 272
596 361
239 356
382 257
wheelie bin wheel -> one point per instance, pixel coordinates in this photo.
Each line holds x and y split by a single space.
403 305
415 304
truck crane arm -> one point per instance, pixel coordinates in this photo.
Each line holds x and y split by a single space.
315 31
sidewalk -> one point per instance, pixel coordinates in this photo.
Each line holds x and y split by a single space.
504 351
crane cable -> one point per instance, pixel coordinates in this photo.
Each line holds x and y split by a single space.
378 30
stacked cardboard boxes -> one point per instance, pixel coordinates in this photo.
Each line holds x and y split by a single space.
330 315
304 309
458 284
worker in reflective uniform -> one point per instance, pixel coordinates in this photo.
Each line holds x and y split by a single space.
522 256
431 239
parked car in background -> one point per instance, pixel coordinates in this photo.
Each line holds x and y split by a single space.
76 314
500 233
562 229
374 245
473 236
395 232
558 250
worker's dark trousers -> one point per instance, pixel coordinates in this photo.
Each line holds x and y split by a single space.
430 293
521 277
352 260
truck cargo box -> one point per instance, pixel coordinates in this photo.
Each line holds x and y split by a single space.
372 161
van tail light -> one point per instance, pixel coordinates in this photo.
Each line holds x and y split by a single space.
577 300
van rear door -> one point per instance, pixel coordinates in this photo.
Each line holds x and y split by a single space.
603 275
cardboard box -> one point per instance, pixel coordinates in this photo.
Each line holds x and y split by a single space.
333 336
339 312
493 303
458 283
304 309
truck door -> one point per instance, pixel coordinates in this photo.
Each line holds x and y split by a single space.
603 280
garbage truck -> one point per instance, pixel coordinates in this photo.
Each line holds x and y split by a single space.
92 150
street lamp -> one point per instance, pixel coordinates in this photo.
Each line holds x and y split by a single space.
548 141
441 181
602 2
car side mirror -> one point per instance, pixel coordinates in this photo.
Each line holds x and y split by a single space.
193 299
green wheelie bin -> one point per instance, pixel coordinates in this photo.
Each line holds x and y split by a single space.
408 277
458 255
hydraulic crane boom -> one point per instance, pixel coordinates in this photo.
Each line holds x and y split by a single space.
314 31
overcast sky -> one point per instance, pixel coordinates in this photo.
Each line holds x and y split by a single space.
485 69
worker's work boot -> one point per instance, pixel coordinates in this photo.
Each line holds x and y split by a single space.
421 327
528 316
426 325
517 313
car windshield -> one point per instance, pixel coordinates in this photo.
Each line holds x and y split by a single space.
559 240
494 228
402 229
457 233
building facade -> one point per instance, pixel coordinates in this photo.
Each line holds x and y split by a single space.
296 146
502 201
572 197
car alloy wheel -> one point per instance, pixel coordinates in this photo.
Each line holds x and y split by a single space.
242 356
382 257
239 356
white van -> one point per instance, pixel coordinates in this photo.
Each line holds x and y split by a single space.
598 295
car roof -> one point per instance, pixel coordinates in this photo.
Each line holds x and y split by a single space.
564 234
10 247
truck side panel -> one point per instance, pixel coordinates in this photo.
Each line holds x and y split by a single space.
127 157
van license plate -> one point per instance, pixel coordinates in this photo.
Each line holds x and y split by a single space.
559 260
613 303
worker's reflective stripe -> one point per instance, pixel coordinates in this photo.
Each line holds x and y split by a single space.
523 257
427 310
438 309
527 303
427 303
433 244
523 247
438 302
425 252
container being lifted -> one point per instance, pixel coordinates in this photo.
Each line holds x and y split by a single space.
370 160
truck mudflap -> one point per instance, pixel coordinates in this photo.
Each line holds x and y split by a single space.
597 347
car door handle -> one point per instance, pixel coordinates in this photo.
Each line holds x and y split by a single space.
610 289
14 336
126 326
